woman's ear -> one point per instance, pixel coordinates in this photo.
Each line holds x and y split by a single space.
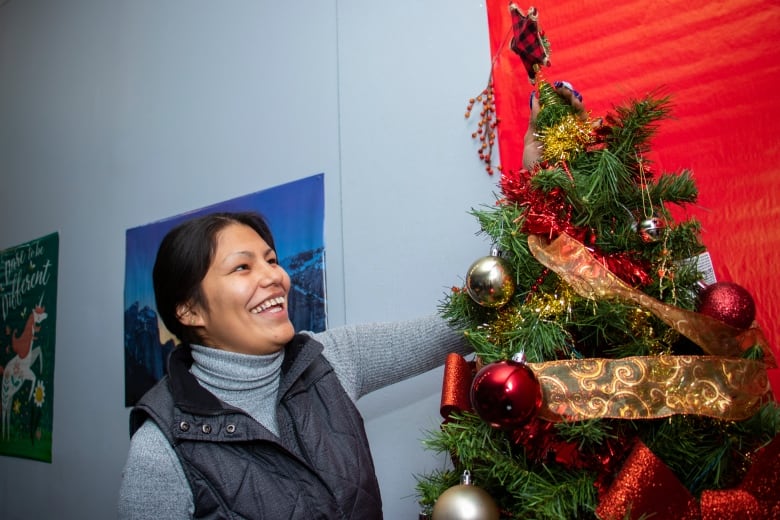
188 316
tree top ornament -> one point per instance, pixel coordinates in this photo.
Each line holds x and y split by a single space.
528 40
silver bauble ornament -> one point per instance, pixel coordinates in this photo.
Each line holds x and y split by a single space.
651 229
489 281
465 502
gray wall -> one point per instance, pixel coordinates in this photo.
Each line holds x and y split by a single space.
117 113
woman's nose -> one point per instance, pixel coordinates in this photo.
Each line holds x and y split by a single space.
270 274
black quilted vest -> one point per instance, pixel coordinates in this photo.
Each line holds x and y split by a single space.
319 467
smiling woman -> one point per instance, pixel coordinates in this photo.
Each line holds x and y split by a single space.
254 420
243 302
185 258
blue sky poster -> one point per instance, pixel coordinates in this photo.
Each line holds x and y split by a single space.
295 211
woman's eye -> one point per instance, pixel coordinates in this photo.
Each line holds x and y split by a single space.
242 267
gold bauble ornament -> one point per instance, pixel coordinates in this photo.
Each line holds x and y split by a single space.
490 282
465 502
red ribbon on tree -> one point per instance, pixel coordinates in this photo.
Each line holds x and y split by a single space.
646 486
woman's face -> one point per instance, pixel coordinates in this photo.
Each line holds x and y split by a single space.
245 290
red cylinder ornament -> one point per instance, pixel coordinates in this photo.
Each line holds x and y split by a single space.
506 394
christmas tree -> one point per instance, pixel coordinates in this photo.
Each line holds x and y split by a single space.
610 380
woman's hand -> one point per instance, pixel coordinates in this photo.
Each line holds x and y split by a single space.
532 147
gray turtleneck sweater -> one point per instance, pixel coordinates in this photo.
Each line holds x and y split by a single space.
364 357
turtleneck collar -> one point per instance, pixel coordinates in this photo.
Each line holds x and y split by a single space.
225 371
238 380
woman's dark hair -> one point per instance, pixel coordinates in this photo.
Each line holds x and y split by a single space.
183 259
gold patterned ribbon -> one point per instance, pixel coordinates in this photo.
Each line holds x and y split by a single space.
642 387
572 261
647 387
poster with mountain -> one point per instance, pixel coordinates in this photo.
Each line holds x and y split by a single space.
295 211
28 307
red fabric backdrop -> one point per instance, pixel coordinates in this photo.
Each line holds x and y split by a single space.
720 63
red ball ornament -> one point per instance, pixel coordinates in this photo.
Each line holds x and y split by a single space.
729 303
506 394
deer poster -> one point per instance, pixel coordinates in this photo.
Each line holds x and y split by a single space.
295 212
28 299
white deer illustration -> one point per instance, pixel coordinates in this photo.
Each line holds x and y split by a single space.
19 369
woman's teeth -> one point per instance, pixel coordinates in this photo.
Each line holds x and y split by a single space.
279 300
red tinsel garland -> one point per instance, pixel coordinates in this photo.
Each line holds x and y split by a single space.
548 214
